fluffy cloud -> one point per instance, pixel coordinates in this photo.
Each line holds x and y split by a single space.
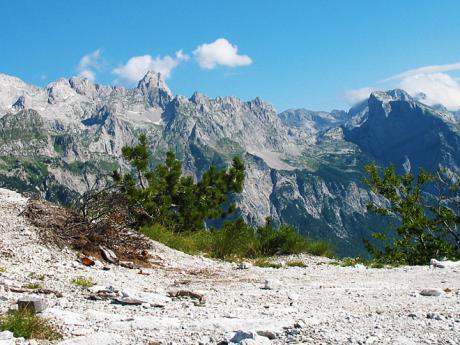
220 52
138 66
425 70
355 96
88 64
439 88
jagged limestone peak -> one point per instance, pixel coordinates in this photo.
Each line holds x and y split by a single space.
153 80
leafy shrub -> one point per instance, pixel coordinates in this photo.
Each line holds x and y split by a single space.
24 323
284 240
426 224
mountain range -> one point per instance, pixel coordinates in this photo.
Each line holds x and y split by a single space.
303 167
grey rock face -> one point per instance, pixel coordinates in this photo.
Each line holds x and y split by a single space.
395 128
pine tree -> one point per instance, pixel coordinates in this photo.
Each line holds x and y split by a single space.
174 200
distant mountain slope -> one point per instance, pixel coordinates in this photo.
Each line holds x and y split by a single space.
395 128
303 167
312 121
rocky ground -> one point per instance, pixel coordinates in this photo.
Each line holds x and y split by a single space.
317 304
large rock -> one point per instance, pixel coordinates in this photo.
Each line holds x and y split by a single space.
33 304
249 338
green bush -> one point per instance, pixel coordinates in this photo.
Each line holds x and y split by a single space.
24 323
426 225
286 240
235 240
320 248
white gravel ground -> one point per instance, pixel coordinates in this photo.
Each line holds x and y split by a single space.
318 304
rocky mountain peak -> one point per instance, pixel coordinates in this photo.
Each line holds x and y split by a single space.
59 90
391 96
153 80
154 88
82 86
199 98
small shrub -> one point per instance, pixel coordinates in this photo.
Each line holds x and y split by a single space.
24 323
376 264
265 263
33 285
235 240
2 269
295 264
83 282
320 248
286 240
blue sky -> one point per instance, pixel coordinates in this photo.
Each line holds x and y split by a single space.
313 54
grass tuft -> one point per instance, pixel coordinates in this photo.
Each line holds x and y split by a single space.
83 282
265 263
295 264
24 323
33 286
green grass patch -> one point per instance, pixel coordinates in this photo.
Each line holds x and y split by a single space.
265 263
320 248
24 323
237 240
33 286
2 269
83 282
295 264
34 275
332 263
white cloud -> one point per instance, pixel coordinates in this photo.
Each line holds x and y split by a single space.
439 88
138 66
355 96
88 63
425 70
220 52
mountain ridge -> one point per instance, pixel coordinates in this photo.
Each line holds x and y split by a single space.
304 167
